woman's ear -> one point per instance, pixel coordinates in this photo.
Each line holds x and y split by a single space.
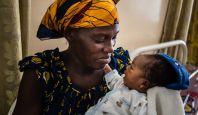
67 34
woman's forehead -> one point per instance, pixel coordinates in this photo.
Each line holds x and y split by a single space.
114 29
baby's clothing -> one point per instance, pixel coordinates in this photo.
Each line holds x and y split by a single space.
121 100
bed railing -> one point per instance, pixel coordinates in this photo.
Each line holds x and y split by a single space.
163 47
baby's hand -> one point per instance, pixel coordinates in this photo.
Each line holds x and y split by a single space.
107 68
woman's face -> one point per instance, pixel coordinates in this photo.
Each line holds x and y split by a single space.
93 47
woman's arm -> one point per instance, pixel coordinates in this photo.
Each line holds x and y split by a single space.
29 100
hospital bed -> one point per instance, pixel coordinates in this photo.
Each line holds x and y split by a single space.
179 52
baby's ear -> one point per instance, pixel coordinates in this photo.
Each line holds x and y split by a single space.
145 84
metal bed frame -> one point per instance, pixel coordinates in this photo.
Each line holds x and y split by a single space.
163 47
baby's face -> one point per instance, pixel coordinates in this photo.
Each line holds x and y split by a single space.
134 74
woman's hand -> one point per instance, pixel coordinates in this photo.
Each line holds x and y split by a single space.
107 68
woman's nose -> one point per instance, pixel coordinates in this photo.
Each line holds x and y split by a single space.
108 48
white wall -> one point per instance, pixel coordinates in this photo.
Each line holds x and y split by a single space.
39 8
141 23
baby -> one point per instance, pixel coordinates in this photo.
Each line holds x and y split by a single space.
128 95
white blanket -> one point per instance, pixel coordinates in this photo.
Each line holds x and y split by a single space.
169 102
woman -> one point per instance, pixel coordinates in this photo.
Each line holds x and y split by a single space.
71 81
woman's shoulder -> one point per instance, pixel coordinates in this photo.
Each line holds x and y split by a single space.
40 60
119 60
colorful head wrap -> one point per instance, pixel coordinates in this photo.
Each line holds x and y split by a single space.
63 14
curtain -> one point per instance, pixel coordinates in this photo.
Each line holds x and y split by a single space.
192 41
14 34
177 22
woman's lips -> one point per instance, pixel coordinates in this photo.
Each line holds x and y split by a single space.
104 60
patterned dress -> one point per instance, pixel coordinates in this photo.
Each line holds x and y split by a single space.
60 96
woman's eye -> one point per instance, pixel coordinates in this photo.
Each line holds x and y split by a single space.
114 37
114 41
100 40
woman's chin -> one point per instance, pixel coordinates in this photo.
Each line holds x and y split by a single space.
100 66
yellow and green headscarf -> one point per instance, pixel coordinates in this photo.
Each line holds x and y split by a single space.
63 14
